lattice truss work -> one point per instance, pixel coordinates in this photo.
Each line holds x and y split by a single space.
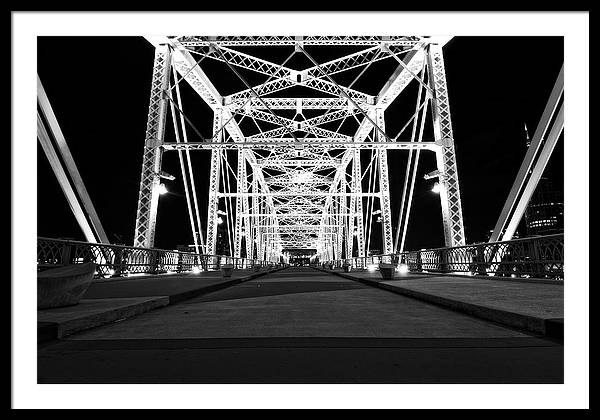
299 154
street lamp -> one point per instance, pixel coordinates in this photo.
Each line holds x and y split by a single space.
402 268
436 188
162 189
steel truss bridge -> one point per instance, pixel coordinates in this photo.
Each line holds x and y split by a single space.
306 171
299 155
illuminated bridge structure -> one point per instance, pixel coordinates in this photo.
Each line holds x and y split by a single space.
300 172
299 155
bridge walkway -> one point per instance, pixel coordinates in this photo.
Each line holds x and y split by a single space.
300 325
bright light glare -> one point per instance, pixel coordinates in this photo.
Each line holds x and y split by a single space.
219 220
372 267
162 189
436 188
302 177
111 272
196 270
402 268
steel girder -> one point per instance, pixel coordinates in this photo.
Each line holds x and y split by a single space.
239 203
244 41
152 158
213 192
384 190
452 217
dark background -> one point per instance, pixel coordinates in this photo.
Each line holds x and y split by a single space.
99 90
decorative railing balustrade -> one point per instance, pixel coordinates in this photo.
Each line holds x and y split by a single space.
120 260
539 257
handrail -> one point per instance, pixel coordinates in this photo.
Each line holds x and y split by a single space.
537 256
122 260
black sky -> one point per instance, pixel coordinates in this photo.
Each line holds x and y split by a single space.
99 89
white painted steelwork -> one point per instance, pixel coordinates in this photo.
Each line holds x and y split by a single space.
299 172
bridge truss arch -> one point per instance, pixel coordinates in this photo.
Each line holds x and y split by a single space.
300 160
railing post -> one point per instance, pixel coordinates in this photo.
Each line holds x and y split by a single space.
480 260
444 260
537 266
179 263
153 261
118 264
67 252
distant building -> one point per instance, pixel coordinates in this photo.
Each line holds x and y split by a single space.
221 245
544 214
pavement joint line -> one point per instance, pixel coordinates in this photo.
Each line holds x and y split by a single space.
53 330
545 327
302 342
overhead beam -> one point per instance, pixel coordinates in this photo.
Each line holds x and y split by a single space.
405 145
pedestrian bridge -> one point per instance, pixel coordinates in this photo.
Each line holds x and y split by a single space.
305 325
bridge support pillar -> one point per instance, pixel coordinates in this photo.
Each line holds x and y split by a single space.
239 203
213 191
445 156
384 188
147 208
360 226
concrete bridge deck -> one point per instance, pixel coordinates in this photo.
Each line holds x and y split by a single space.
301 325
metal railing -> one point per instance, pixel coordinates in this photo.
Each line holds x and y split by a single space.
538 256
121 260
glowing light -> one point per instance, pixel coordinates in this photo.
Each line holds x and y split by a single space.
162 189
372 267
196 270
111 272
302 177
402 268
219 220
436 188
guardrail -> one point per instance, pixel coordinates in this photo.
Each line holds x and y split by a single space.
121 260
538 256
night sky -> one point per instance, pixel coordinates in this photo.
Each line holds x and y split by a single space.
99 90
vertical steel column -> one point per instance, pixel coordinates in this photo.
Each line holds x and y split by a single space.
360 224
446 159
339 218
351 213
246 210
384 188
147 209
260 220
255 219
241 181
213 198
